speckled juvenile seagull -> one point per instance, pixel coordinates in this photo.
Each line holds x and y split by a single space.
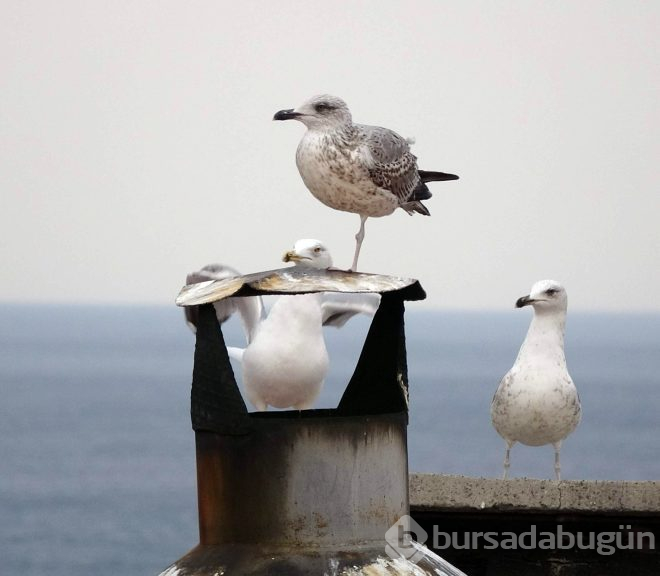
367 170
536 402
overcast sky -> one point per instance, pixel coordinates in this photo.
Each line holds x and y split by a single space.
137 144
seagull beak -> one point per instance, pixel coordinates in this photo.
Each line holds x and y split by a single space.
291 256
524 301
286 115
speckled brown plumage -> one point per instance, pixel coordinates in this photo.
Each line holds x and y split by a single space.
367 170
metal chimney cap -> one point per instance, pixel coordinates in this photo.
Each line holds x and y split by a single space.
296 280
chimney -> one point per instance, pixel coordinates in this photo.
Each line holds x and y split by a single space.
321 492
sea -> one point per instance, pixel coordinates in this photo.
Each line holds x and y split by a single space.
97 463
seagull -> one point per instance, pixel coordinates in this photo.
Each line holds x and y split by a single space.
536 402
367 170
285 361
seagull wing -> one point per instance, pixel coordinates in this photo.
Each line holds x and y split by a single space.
224 309
504 383
337 309
392 166
251 311
250 308
235 353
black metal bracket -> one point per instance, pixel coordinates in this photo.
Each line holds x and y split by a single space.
379 384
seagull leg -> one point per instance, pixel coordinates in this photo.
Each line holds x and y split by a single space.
358 243
557 446
259 404
507 459
303 406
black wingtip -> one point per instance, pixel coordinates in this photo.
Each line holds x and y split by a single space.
421 192
415 206
427 176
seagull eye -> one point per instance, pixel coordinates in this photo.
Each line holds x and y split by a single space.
551 291
317 249
322 107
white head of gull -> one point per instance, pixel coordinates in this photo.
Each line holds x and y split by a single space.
536 402
309 253
367 170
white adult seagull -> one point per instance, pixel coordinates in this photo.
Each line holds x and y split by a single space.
367 170
536 402
286 361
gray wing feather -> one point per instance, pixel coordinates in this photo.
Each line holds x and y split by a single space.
504 382
385 146
337 309
393 166
251 308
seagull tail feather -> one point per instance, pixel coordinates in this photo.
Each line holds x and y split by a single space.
427 176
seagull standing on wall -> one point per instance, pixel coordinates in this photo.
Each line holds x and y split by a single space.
367 170
536 402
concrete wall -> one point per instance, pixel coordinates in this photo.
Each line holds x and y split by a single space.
626 512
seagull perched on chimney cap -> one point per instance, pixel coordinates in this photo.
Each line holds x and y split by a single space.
286 361
367 170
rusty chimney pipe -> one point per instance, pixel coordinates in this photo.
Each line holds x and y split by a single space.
303 492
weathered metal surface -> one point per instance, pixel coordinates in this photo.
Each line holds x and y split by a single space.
297 280
380 382
215 400
365 560
312 481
